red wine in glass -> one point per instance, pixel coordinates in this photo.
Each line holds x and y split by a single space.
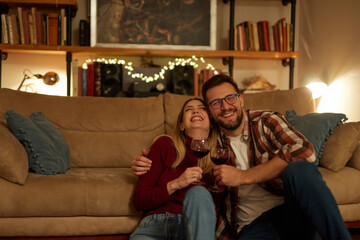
220 155
200 147
200 153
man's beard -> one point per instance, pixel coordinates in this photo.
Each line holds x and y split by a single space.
232 125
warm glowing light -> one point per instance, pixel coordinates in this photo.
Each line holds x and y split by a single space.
317 89
342 97
161 74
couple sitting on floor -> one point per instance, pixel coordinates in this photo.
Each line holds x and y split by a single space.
273 190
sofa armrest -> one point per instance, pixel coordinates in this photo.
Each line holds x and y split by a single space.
341 146
354 162
14 165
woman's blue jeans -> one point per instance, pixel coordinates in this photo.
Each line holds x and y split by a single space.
197 221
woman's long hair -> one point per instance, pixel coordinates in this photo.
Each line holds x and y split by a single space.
179 139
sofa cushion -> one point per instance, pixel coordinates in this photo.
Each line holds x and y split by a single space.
14 164
354 162
47 151
316 127
343 184
340 146
79 192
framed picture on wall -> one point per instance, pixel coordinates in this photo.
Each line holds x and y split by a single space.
161 24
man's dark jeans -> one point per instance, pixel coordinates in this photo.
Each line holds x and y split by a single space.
309 210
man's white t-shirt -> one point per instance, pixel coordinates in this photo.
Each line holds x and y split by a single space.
253 199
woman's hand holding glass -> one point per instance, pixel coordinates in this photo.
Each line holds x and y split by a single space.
190 176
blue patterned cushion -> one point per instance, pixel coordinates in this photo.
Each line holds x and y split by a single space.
47 150
316 127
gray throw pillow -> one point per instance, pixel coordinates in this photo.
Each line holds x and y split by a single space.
316 127
47 150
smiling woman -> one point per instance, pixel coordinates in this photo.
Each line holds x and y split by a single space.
160 193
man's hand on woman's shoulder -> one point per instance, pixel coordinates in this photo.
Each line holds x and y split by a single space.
140 164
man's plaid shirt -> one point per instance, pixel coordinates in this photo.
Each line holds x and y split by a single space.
270 136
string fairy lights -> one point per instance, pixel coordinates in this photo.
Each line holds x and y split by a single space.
193 61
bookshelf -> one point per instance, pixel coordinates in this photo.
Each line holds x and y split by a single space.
286 61
71 5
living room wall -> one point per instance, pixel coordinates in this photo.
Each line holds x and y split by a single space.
329 47
327 39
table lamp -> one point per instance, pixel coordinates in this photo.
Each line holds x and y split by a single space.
50 78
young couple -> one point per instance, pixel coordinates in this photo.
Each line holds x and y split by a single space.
273 189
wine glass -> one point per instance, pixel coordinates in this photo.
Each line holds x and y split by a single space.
219 155
200 147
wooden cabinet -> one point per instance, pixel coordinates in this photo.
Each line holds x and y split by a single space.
68 51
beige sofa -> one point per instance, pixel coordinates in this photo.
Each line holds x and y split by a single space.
103 134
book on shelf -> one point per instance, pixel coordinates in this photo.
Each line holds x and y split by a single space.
4 29
280 33
83 81
97 79
266 35
79 78
31 28
10 28
45 35
62 27
21 25
74 77
34 26
39 32
90 80
256 37
25 19
53 25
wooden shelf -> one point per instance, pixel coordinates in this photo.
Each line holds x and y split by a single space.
54 3
98 51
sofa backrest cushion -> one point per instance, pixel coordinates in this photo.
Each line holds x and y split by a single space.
100 132
299 99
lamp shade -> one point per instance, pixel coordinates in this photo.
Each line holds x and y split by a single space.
315 84
50 78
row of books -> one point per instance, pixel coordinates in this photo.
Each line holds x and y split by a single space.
88 81
261 36
29 26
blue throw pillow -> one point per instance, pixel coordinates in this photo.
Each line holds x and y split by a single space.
47 150
316 127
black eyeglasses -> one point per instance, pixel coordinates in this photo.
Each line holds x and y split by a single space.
229 99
